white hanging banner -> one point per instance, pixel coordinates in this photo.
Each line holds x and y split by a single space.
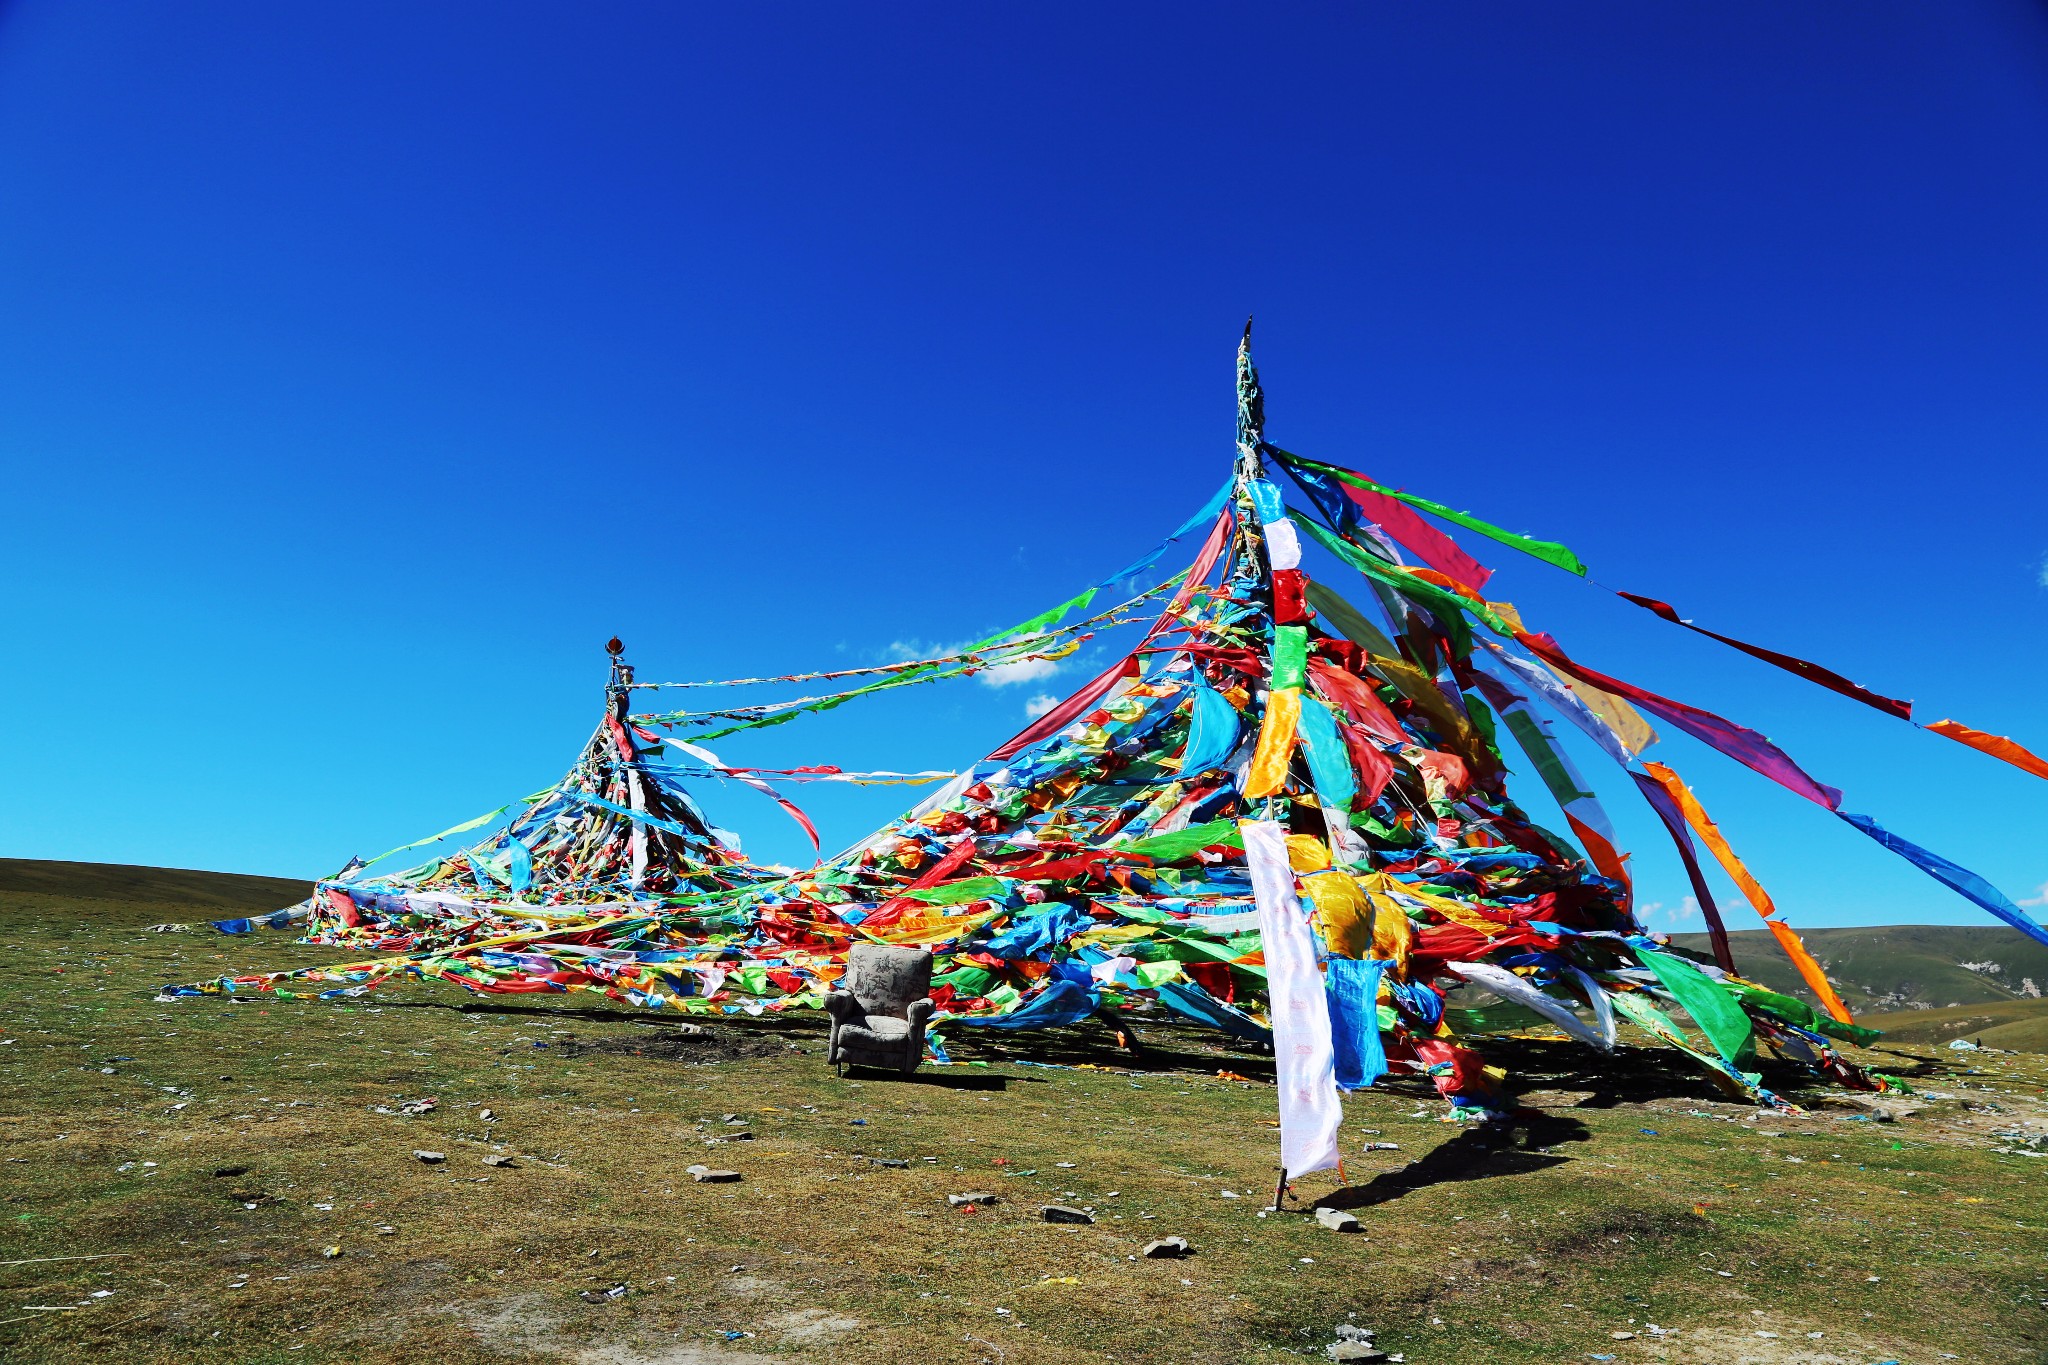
1305 1063
1508 986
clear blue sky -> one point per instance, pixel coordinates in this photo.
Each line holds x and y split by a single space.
363 367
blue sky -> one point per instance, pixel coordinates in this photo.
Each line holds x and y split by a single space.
364 368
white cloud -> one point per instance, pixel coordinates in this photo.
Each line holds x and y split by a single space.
1680 918
1001 675
2044 573
2038 898
1024 670
901 651
1040 704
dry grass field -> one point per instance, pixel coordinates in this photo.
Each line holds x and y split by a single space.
216 1181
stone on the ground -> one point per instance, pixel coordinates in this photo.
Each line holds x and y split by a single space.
431 1158
1166 1249
705 1175
1356 1351
1337 1220
973 1197
1351 1331
1063 1213
499 1159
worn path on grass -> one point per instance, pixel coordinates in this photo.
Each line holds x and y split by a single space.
1631 1200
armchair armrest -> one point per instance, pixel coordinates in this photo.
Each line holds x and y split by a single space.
918 1015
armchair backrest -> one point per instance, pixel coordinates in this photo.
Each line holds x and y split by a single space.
886 979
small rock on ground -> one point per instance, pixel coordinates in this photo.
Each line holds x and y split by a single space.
1337 1220
431 1158
973 1197
1062 1213
1356 1351
706 1175
1166 1249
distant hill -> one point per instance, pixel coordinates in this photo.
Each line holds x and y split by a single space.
1898 967
208 891
2020 1025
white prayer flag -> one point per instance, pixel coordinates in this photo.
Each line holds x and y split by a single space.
1305 1063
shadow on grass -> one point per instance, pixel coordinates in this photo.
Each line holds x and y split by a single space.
944 1080
1478 1153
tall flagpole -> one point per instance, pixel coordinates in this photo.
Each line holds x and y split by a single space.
1251 464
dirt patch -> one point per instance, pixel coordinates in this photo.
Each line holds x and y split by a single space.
673 1353
1790 1344
520 1322
529 1324
809 1327
701 1047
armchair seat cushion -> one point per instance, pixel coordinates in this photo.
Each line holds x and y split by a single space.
878 1031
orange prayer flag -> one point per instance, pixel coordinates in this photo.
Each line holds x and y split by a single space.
1710 835
1610 861
1998 746
1809 969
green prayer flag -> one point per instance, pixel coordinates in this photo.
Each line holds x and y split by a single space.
1290 656
1793 1010
1549 551
1446 604
1350 622
1171 848
1543 754
1712 1006
960 892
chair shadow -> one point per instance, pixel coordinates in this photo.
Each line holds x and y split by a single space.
1478 1153
948 1079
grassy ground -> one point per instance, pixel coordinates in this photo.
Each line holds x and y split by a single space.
1631 1195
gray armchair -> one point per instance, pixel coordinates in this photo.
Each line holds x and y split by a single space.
880 1007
